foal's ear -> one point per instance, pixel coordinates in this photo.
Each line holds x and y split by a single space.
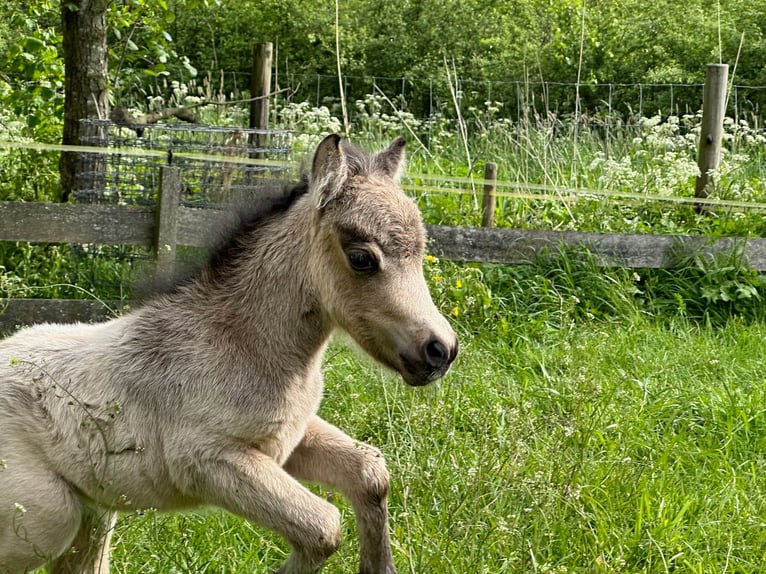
390 161
328 170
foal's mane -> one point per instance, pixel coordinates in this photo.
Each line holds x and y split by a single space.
235 232
249 213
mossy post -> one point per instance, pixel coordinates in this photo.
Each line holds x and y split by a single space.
260 88
166 225
713 112
489 198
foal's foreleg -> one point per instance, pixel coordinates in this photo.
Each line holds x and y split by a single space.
251 484
328 456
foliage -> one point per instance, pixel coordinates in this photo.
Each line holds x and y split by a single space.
710 288
142 50
498 41
31 99
69 271
600 42
221 36
33 60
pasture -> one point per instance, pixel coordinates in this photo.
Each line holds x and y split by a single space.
597 420
560 442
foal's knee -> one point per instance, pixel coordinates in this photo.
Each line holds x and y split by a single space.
319 538
373 475
329 539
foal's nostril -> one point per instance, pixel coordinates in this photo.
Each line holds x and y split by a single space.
437 354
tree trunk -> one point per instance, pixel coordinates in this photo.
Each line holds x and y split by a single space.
86 96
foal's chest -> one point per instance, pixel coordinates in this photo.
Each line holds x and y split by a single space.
276 418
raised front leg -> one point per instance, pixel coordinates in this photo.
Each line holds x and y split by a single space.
328 456
252 485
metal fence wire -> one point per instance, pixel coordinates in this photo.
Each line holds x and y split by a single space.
517 98
216 161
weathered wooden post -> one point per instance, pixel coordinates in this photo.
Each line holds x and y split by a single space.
489 198
166 225
260 88
713 112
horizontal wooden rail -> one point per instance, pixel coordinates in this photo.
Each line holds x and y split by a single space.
517 246
124 225
108 224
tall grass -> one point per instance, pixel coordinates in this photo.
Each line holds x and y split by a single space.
617 174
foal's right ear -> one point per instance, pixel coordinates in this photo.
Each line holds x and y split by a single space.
390 161
328 170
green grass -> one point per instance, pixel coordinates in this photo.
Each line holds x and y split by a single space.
596 420
628 446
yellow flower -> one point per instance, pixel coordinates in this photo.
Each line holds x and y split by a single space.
438 278
431 259
459 284
455 311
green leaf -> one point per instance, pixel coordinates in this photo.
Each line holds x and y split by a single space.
32 44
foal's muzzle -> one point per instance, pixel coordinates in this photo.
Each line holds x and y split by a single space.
432 362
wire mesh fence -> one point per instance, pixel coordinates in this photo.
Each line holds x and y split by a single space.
216 161
517 100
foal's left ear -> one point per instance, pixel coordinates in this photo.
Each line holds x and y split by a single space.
328 170
390 161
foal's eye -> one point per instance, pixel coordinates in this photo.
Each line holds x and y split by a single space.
362 261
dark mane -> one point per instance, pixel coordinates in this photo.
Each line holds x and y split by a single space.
251 211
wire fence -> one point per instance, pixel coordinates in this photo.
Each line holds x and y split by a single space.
612 104
214 173
217 162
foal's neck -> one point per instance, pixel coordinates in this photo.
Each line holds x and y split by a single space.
263 302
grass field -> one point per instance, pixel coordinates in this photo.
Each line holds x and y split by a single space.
561 441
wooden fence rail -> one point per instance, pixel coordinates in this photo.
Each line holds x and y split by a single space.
169 224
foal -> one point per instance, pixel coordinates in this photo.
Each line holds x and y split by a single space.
208 395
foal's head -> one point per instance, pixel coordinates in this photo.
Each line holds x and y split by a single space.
370 244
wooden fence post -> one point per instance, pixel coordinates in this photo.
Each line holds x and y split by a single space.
713 112
260 88
489 199
166 225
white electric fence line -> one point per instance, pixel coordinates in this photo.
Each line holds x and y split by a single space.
548 192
